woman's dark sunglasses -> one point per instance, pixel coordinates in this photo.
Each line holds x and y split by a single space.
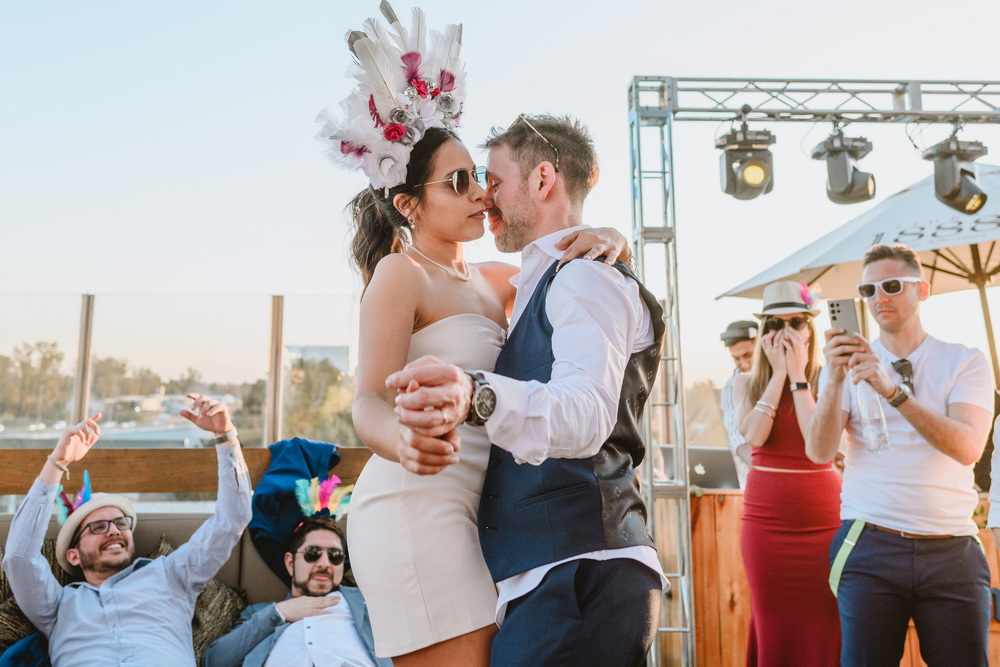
777 324
312 554
462 179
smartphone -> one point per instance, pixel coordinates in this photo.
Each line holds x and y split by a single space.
844 315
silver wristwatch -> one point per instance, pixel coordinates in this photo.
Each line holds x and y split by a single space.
484 400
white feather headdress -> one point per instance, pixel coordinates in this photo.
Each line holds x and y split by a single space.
407 84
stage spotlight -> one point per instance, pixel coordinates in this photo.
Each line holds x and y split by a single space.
954 174
747 169
845 183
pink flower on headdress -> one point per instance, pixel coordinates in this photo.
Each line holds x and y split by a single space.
421 87
394 132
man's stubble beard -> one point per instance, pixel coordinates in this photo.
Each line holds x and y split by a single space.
518 224
91 562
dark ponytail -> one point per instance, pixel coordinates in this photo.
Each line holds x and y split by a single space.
380 229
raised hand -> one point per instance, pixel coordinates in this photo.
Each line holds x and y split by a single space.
796 346
774 350
76 440
208 414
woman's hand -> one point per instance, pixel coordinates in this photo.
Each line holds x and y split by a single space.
796 346
591 243
774 350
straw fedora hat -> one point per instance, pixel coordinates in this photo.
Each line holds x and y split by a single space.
785 298
79 515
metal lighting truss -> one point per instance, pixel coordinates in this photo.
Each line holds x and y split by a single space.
656 103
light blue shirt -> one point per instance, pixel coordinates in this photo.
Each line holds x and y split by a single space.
141 615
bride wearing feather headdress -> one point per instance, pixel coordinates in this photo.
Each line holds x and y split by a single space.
413 537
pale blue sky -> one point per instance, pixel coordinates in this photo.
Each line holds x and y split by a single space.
167 147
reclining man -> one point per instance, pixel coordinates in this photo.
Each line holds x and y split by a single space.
127 610
311 626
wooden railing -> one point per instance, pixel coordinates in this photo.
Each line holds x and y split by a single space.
722 597
153 470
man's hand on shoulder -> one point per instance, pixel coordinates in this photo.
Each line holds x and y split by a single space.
304 606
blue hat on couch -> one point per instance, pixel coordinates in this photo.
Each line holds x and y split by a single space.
276 509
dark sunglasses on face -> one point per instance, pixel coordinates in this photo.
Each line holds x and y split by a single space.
102 526
905 369
462 179
777 324
889 286
313 554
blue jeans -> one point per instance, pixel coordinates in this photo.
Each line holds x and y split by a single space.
942 584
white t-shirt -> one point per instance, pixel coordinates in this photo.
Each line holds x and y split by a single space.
913 487
327 640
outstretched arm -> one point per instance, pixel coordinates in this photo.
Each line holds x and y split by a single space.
591 243
37 592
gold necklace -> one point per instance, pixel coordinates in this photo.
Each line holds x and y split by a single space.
464 277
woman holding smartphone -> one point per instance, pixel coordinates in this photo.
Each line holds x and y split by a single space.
791 506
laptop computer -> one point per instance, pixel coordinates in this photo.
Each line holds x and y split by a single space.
708 467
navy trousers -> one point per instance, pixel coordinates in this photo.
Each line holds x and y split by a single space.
943 584
584 613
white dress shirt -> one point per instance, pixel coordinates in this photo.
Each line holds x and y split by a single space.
325 640
598 321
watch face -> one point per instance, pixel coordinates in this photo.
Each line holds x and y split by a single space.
486 402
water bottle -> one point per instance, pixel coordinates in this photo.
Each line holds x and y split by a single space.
873 426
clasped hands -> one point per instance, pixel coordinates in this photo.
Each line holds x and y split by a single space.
852 352
432 399
787 350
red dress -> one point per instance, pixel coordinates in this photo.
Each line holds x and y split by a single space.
789 520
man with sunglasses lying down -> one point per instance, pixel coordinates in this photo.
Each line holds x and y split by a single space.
310 626
907 547
127 610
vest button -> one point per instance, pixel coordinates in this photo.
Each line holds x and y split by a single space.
495 461
605 516
489 527
492 496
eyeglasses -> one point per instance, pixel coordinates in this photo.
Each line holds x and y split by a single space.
313 554
905 369
462 179
777 324
540 135
889 286
102 526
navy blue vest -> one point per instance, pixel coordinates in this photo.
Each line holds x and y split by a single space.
532 515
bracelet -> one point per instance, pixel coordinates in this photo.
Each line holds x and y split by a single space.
767 405
763 411
231 434
61 466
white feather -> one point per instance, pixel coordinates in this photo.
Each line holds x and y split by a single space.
396 30
379 73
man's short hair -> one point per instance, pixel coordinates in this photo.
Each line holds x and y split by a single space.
528 148
898 252
311 523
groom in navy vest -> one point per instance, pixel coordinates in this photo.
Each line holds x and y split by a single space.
561 521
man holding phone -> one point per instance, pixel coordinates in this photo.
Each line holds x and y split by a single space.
907 547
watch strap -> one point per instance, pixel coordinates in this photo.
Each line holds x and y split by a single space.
231 434
798 386
478 382
900 397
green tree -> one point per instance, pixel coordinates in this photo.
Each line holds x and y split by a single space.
43 390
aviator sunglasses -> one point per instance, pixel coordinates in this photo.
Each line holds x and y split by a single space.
889 286
905 369
312 554
777 324
462 179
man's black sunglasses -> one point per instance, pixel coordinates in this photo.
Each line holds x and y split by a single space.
905 370
313 554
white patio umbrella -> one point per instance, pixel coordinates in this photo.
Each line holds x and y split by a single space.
958 251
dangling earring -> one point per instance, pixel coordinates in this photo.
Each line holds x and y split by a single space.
412 221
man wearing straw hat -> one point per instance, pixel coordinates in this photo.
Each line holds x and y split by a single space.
126 611
907 547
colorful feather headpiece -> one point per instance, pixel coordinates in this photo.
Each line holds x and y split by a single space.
407 84
323 498
63 505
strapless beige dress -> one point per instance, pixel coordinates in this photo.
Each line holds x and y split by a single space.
413 539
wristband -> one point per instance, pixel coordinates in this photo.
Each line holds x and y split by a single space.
61 466
231 434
